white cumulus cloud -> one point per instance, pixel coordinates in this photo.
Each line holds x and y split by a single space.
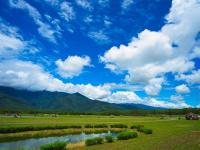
123 97
72 66
154 86
182 89
193 78
27 75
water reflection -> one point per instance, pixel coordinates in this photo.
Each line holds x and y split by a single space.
34 144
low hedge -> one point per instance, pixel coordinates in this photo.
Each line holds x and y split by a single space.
100 126
54 146
89 126
126 135
118 126
137 127
145 130
94 141
109 139
35 128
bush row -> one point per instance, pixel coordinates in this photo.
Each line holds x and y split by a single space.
96 126
118 126
127 135
54 146
137 127
35 128
145 130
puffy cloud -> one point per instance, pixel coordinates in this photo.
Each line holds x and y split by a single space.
154 86
193 78
123 97
93 92
153 54
157 103
195 53
27 75
176 98
120 97
146 57
16 73
44 29
182 89
72 66
67 11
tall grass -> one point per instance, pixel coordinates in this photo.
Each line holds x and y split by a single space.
94 141
36 128
54 146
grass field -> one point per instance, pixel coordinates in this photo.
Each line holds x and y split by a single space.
169 133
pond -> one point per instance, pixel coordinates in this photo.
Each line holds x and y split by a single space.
35 143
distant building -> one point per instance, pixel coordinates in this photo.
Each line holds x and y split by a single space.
191 116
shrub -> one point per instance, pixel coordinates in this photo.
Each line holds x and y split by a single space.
35 128
100 126
99 140
90 142
127 135
118 126
94 141
89 126
54 146
136 126
109 139
75 126
145 130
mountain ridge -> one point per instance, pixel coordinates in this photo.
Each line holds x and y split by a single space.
19 99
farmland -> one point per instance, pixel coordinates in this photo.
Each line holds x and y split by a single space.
169 132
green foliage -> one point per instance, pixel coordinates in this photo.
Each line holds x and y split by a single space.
109 139
145 130
100 126
89 126
118 126
94 141
36 128
136 126
126 135
54 146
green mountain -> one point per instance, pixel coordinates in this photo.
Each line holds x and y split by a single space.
23 100
15 99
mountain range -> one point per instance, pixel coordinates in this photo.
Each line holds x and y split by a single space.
12 99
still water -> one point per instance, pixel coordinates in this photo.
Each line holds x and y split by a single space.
35 143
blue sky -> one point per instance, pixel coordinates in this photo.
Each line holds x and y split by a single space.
118 51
